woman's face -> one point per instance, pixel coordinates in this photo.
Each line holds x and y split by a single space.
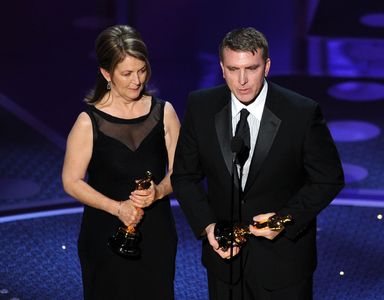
129 78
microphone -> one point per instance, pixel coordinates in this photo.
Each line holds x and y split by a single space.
237 145
238 148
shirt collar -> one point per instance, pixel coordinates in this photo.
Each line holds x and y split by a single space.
255 108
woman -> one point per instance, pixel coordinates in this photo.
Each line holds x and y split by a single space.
123 133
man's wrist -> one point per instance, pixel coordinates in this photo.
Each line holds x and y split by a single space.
210 228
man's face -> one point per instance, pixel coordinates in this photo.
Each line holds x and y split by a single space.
244 73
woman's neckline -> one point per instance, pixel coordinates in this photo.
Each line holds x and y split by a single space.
119 119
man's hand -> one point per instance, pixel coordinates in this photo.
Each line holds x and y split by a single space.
215 245
264 232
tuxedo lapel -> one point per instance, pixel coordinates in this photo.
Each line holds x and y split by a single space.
224 134
268 128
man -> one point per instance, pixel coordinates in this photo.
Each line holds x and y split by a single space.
291 167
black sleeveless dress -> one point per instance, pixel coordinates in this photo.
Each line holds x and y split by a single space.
123 150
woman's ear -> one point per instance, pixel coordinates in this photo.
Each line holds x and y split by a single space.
105 74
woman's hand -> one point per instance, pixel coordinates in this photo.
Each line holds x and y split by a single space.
129 214
144 198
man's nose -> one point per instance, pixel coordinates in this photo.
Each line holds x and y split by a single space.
243 77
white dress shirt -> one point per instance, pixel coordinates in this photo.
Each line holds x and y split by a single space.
255 109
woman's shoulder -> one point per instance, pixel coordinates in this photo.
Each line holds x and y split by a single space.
170 115
82 128
164 104
169 111
84 120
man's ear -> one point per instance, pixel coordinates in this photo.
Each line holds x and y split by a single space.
105 74
222 68
267 66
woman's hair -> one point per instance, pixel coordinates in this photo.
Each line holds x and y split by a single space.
112 45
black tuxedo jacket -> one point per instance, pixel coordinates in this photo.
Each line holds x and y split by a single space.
295 169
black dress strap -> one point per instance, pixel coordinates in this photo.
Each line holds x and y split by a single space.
94 123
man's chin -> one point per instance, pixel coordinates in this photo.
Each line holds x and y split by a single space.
245 99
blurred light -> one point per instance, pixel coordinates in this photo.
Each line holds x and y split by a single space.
353 130
374 48
341 273
357 91
18 188
380 216
373 20
353 173
3 291
63 247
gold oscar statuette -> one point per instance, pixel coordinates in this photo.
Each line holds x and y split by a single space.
125 240
223 230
